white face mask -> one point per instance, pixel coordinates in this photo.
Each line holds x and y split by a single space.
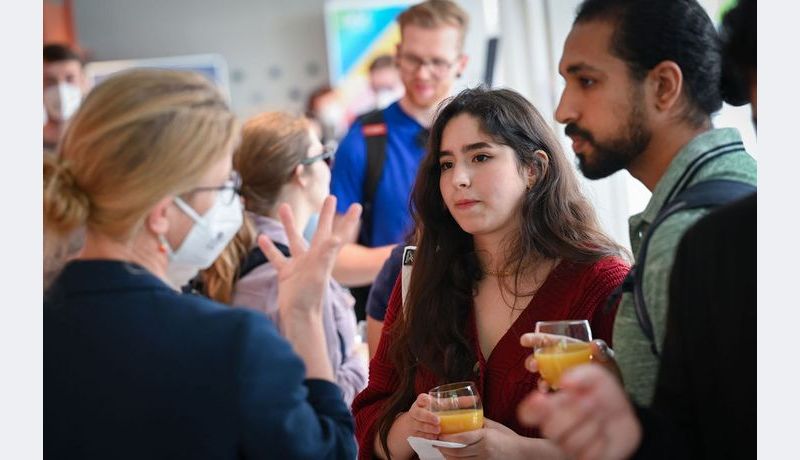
332 119
331 114
207 238
311 226
62 101
385 96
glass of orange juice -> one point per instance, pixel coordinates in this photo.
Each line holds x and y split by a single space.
569 347
458 406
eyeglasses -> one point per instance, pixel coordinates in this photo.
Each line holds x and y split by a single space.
228 191
327 155
410 63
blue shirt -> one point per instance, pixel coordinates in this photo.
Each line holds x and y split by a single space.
391 220
382 287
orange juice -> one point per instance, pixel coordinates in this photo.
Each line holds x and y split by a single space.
552 361
456 421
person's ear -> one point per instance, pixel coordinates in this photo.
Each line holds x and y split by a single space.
534 173
300 177
157 220
461 64
665 83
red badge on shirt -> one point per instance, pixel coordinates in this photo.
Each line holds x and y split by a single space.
374 129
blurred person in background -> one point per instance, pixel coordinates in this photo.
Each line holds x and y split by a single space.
381 87
384 81
132 367
377 160
327 114
64 85
281 160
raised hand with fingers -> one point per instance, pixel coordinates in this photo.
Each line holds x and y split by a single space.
302 279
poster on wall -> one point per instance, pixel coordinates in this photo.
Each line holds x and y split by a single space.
212 66
356 32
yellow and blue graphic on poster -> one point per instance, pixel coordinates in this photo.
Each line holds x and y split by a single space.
358 31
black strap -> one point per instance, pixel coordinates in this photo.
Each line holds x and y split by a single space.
697 164
422 138
373 126
374 129
256 258
705 194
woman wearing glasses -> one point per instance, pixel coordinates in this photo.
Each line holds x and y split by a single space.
281 160
132 367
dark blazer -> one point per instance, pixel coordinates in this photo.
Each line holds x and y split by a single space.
133 369
705 400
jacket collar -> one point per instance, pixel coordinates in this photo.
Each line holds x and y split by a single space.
95 276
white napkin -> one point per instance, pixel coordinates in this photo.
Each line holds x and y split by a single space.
426 448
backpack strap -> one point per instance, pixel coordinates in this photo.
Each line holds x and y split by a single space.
405 271
697 164
709 194
256 258
373 127
706 194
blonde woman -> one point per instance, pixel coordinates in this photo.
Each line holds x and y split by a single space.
281 160
133 368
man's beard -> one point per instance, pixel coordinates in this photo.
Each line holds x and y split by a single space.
611 156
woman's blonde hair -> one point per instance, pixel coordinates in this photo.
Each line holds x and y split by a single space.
138 137
273 144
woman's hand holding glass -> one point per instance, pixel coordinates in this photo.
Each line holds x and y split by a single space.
492 441
419 421
458 406
451 408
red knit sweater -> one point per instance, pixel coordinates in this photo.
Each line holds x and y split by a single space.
571 291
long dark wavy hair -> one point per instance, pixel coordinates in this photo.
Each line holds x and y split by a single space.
556 221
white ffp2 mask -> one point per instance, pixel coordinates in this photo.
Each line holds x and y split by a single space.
206 239
61 101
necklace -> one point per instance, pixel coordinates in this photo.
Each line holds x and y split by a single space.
498 274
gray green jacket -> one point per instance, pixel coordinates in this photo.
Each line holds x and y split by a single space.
638 364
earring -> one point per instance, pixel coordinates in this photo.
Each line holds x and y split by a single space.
162 247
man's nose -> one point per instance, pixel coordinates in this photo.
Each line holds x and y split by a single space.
566 111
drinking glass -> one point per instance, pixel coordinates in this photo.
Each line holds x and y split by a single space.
458 406
570 346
